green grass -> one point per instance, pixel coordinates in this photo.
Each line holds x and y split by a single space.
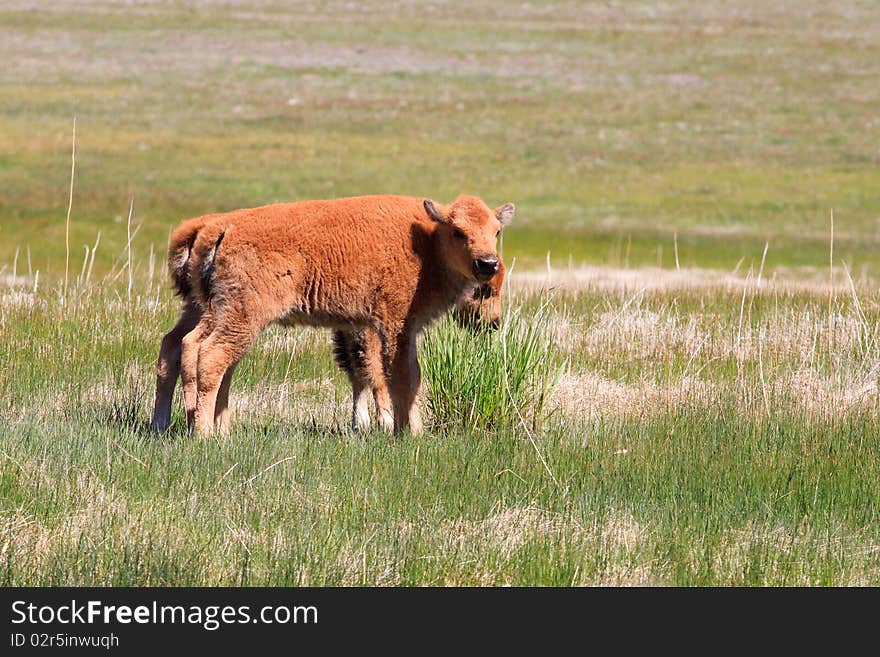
729 126
669 477
490 380
704 429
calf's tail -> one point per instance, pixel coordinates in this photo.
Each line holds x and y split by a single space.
179 252
202 262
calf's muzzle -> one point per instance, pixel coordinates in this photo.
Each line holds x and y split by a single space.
486 267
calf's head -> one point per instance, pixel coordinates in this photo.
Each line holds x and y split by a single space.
469 235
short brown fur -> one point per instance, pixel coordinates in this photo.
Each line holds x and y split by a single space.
358 352
381 266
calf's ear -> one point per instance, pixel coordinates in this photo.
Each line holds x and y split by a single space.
434 212
504 213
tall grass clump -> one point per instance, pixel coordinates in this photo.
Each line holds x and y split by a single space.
490 379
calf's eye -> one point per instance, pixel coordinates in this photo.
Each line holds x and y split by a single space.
458 234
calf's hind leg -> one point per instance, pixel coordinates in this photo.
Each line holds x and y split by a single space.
217 354
358 352
347 352
189 361
168 366
221 409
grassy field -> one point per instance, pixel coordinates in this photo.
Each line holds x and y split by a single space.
711 368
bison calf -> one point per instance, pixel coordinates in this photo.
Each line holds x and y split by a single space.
357 352
387 264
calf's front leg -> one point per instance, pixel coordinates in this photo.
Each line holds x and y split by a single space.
404 381
375 374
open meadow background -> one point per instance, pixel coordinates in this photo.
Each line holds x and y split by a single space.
690 357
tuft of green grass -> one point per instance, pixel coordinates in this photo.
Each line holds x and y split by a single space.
478 380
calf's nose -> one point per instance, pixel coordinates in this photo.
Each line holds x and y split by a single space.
487 267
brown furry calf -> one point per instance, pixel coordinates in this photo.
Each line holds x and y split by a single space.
381 267
388 263
357 352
